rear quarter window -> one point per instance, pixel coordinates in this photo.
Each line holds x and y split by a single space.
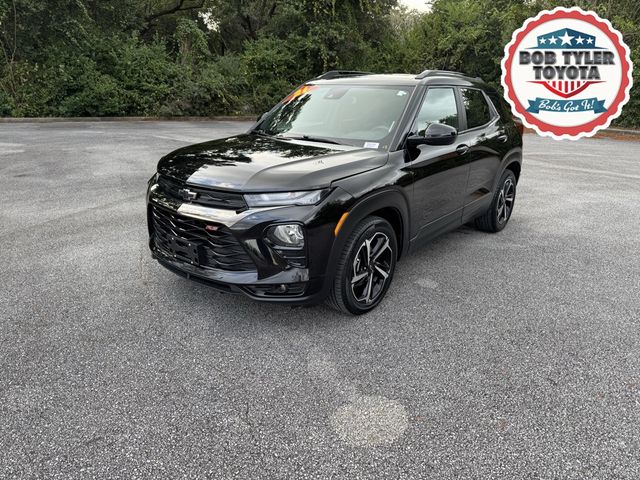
501 106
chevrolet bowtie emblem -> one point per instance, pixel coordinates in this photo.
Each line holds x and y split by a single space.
187 194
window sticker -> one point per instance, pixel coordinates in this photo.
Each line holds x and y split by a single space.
299 92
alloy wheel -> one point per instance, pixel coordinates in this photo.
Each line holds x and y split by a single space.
506 197
371 268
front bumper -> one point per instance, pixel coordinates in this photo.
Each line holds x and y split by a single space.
271 276
303 292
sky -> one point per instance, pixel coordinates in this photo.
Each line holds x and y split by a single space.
420 5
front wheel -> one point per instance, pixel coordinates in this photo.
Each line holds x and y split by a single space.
365 268
499 213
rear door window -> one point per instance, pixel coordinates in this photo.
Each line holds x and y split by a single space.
476 107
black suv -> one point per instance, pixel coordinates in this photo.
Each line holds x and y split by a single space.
321 197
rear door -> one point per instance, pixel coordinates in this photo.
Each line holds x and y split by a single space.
440 172
486 137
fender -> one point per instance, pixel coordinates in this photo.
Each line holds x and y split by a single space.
385 198
514 155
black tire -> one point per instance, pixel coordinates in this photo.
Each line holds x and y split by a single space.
496 218
352 299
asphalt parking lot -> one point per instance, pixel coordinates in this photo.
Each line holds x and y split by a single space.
515 355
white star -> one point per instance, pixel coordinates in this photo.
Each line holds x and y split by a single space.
566 39
579 40
543 41
589 40
552 40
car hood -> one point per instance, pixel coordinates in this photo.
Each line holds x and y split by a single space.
255 163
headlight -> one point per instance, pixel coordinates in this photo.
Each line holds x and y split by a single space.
310 197
290 235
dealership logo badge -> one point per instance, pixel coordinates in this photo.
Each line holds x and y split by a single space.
567 73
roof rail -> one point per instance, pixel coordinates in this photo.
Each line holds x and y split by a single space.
340 73
433 73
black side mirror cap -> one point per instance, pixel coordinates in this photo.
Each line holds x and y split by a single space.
440 134
435 134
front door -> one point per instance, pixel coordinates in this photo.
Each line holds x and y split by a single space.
440 172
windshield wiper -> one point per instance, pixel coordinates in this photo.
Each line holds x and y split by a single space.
259 131
309 138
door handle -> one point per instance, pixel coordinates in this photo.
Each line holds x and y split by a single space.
462 149
503 138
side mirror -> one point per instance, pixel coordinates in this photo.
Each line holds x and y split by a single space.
435 134
440 134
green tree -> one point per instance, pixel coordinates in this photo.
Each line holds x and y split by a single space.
206 57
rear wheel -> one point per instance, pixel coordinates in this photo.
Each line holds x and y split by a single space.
365 268
499 213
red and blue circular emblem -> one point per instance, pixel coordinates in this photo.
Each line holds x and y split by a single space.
567 73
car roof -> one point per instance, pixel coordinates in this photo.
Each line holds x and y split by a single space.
428 77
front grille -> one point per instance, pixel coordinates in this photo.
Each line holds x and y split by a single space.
188 239
210 198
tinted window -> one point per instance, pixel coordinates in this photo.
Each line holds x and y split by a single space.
500 105
439 106
476 107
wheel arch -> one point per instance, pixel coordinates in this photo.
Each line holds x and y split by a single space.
516 167
394 217
512 161
390 204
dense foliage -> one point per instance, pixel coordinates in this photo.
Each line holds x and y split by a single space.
208 57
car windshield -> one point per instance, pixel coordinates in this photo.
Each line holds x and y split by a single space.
363 116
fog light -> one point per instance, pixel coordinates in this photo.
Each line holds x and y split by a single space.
288 235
